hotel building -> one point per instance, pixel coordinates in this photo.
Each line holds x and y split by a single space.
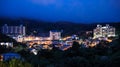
105 31
55 35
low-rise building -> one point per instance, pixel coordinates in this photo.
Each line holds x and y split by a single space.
7 44
8 56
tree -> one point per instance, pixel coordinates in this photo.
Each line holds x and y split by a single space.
77 62
75 46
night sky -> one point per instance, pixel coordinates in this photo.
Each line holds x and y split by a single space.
62 10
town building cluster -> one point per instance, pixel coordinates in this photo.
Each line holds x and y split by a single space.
39 42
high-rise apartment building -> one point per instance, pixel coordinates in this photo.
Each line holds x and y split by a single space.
55 35
105 31
13 30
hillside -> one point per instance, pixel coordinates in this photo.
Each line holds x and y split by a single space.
68 28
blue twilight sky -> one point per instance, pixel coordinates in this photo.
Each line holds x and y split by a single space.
62 10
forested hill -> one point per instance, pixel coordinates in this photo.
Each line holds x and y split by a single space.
68 28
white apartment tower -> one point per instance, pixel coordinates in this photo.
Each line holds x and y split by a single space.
13 30
105 31
55 35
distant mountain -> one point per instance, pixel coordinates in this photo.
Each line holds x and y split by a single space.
42 26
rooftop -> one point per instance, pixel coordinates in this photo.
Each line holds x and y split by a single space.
55 30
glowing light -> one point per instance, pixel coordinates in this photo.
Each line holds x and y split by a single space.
109 40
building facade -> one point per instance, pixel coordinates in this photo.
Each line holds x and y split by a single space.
51 38
105 31
8 56
7 44
13 30
55 35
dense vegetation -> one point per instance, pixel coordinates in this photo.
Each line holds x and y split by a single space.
15 63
